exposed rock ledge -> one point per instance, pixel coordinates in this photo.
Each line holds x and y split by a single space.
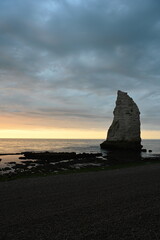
124 132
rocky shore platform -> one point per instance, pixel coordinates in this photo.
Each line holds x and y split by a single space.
43 163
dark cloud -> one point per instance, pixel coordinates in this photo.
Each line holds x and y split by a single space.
68 58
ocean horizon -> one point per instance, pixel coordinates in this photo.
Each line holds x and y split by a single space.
18 145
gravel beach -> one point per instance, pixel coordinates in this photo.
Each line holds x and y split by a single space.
116 204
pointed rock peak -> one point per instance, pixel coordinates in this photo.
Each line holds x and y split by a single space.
119 92
125 129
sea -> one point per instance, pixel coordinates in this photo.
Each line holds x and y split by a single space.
63 145
10 146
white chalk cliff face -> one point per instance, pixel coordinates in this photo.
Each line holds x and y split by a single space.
126 122
124 133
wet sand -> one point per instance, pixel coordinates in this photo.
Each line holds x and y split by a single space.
116 204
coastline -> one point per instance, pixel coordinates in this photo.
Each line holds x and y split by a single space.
46 163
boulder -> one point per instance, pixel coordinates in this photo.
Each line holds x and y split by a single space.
124 132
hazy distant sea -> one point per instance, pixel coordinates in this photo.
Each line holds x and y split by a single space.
63 145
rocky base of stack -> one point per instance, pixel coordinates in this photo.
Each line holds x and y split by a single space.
121 145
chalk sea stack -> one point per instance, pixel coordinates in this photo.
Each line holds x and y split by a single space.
124 132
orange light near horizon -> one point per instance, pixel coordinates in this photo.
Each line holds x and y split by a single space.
52 134
148 134
66 134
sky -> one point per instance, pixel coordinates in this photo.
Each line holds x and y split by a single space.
62 62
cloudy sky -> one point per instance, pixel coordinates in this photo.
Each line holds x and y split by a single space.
62 62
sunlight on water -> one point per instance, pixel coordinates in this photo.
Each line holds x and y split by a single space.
56 145
62 145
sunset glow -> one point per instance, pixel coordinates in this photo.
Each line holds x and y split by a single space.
60 72
66 134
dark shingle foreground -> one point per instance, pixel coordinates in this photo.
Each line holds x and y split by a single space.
118 204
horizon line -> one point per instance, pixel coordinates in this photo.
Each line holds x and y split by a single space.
71 138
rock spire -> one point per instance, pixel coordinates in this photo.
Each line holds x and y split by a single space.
124 132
